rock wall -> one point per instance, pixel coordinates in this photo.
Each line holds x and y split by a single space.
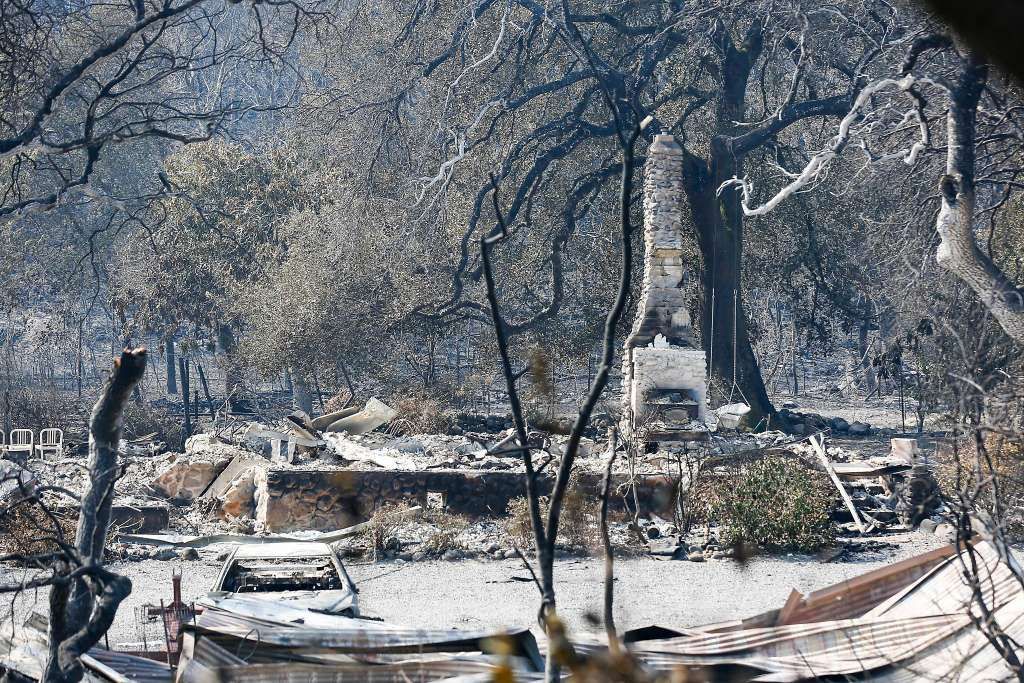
326 500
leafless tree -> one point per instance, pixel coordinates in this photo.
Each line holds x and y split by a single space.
630 122
981 127
84 82
730 79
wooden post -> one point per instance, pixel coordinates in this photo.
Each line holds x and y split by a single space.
184 379
172 380
819 447
319 394
206 389
81 324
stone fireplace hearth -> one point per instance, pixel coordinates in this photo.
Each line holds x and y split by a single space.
665 370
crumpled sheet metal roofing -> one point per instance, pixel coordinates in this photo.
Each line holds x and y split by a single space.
857 596
238 639
923 633
464 669
126 667
347 635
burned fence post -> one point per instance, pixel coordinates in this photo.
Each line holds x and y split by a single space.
185 395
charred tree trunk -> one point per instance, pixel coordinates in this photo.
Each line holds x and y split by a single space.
958 251
83 608
718 221
226 346
172 377
206 389
867 370
186 430
302 396
79 368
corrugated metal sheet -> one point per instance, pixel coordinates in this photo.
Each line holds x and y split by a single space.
860 594
343 634
257 638
127 667
398 672
924 632
833 648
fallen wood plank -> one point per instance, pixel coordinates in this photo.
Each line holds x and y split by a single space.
818 443
867 470
272 434
299 429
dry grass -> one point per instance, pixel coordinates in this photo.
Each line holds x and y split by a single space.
517 522
383 530
422 415
340 400
1001 463
26 529
446 536
578 524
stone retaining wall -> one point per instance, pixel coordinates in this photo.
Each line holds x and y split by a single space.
325 500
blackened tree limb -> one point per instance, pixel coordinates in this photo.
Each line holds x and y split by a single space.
611 327
837 105
34 128
501 335
93 599
109 590
609 557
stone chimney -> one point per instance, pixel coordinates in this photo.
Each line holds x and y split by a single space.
664 368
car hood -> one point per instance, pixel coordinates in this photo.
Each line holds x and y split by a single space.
327 601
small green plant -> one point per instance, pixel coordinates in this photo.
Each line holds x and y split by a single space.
777 504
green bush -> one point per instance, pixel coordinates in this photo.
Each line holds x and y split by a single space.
777 504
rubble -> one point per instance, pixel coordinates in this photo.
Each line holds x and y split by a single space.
185 478
239 497
731 416
14 480
860 429
374 414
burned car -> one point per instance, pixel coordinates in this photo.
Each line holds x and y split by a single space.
303 575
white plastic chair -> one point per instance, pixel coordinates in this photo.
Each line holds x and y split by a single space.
21 441
3 442
51 440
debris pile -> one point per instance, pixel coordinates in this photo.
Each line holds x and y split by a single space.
921 619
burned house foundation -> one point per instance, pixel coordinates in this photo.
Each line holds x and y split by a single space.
326 500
